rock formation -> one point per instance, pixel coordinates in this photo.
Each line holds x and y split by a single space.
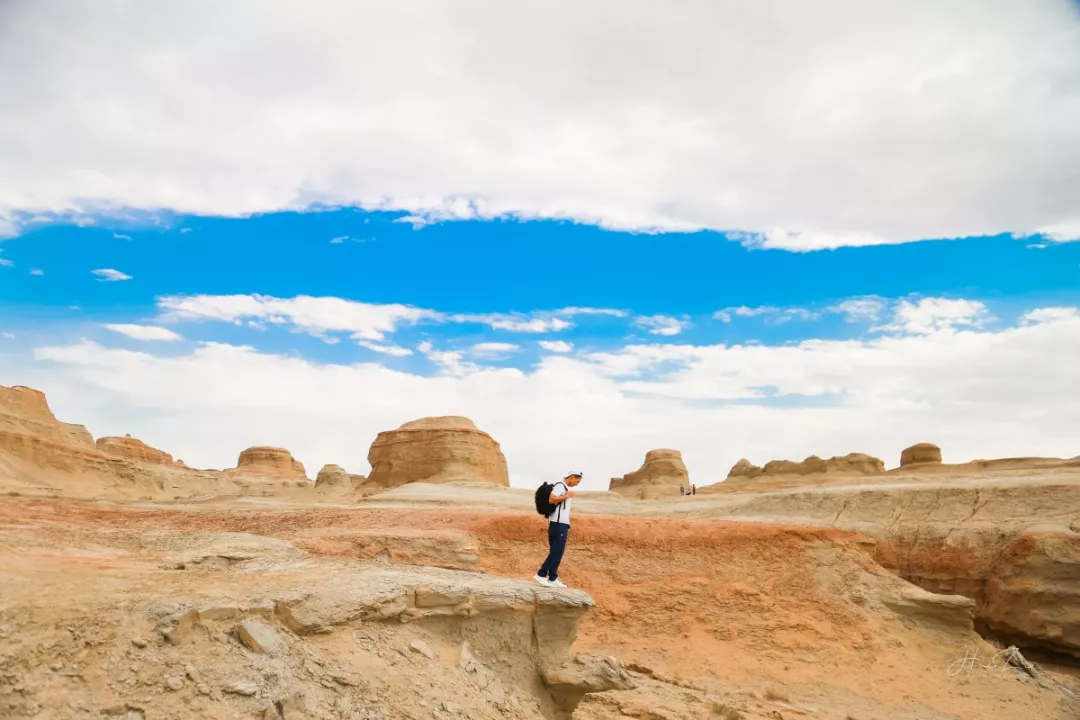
436 450
40 455
661 474
920 453
134 449
271 463
851 464
25 411
334 476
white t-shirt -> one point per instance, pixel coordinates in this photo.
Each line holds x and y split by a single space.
562 512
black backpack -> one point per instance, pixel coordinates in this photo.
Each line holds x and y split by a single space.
544 505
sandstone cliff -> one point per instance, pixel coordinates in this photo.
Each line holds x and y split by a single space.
436 450
661 474
40 455
134 449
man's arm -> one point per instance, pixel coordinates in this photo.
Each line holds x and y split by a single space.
556 499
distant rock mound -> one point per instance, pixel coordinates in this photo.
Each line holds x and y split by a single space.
851 464
334 476
920 453
133 449
744 469
436 450
661 474
272 463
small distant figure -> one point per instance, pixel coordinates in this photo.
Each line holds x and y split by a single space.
693 489
557 506
682 491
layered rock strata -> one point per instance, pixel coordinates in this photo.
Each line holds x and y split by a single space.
133 449
436 450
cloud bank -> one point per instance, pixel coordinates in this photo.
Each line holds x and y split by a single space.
796 125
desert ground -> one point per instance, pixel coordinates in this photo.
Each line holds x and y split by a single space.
134 587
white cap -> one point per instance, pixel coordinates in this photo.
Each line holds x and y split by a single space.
572 473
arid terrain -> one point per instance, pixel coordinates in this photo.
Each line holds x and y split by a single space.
134 587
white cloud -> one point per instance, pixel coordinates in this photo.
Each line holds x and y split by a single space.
828 114
977 393
804 241
4 262
145 332
743 311
449 362
118 236
9 336
110 275
722 315
662 324
313 315
37 271
516 322
1062 232
799 313
392 350
558 346
930 315
493 349
610 312
861 309
1052 314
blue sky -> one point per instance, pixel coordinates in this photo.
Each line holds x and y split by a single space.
787 231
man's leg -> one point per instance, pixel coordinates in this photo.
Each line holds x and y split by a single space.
557 533
545 568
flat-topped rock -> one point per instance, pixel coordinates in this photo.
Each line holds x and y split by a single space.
436 450
271 463
446 422
134 449
662 467
920 453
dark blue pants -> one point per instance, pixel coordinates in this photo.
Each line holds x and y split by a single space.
557 533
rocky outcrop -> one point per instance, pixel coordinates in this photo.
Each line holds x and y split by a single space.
981 536
661 474
850 464
744 469
436 450
583 674
133 449
920 453
40 455
270 463
25 411
334 476
1033 589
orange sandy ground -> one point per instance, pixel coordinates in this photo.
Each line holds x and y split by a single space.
716 603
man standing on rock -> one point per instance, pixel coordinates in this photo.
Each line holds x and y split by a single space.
558 530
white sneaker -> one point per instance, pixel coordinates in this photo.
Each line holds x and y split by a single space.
556 583
541 580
